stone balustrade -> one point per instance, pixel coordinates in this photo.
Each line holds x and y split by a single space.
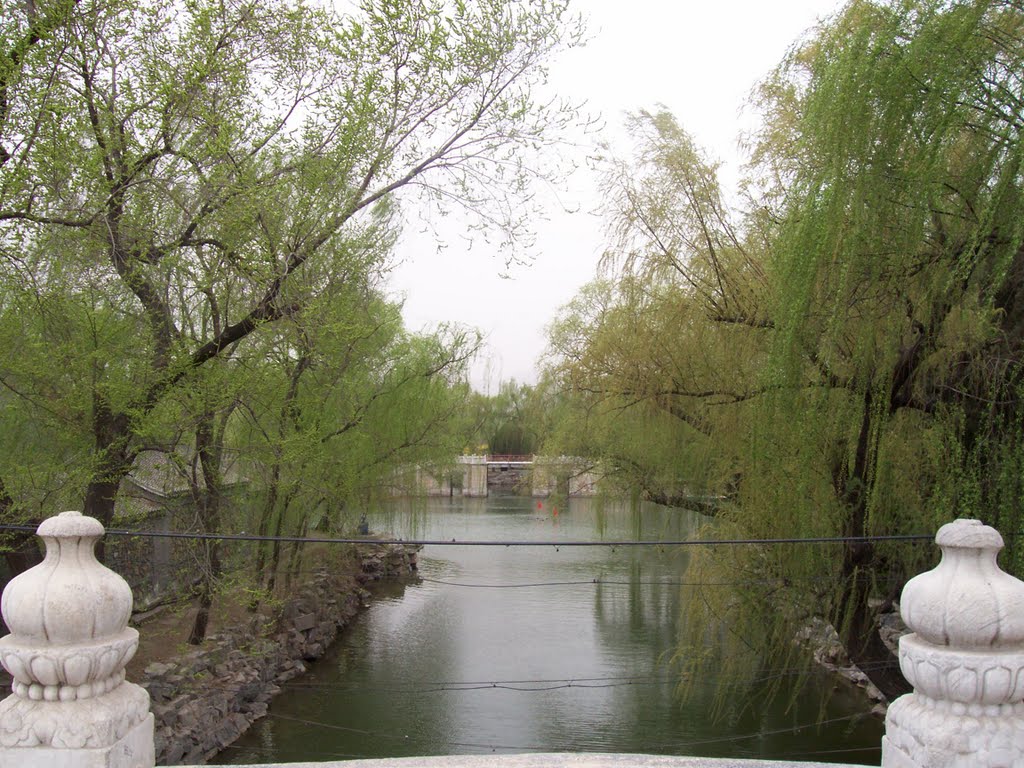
67 650
965 659
72 708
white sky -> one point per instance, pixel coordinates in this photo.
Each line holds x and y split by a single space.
699 58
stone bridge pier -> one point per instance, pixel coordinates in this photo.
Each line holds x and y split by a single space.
474 475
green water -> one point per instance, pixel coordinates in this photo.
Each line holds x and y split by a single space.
524 649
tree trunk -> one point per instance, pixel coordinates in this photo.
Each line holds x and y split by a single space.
100 497
275 551
111 435
857 625
207 587
23 550
296 558
289 416
263 529
202 620
209 451
854 618
24 553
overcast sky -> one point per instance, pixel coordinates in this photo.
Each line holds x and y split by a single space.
700 59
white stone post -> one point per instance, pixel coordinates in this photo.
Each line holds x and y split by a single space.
67 650
965 659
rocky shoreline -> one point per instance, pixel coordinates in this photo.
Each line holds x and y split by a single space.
828 651
204 700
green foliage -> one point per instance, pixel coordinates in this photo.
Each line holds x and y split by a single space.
512 439
513 421
845 359
196 202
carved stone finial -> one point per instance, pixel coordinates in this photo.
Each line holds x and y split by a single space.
966 601
67 651
965 659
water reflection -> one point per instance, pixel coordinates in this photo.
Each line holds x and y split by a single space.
536 649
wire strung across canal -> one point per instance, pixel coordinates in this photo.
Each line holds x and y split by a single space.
547 748
499 543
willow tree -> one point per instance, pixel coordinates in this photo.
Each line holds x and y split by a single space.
889 399
351 398
663 357
876 286
200 159
634 361
894 159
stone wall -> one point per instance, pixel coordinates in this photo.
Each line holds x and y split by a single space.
155 567
206 699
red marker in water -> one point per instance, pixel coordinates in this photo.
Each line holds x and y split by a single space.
555 511
540 505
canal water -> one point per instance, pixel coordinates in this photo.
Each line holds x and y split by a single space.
539 649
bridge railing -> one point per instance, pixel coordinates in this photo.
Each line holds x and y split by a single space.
509 457
71 706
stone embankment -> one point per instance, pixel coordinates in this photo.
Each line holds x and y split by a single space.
205 699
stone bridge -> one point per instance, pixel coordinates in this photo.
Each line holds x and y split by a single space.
480 475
